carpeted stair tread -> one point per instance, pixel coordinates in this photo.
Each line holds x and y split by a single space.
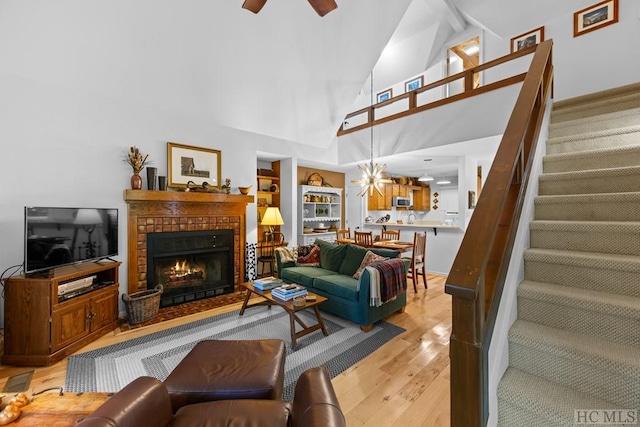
601 122
623 102
586 236
550 403
601 302
589 207
602 276
596 134
614 180
583 311
610 157
586 349
618 137
607 94
589 364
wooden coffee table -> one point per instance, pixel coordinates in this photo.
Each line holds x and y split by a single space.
288 306
52 410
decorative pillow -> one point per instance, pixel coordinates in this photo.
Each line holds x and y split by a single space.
303 250
369 258
312 259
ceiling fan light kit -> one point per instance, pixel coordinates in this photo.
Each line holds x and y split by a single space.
322 7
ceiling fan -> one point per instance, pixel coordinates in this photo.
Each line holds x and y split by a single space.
322 7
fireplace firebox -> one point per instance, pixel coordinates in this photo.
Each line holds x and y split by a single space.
190 265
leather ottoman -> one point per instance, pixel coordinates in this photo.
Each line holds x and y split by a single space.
221 370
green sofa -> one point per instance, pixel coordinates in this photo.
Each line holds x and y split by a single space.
334 280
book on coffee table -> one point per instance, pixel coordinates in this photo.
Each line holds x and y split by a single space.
288 292
267 283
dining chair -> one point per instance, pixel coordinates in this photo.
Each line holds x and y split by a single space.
267 251
343 234
417 267
363 238
390 235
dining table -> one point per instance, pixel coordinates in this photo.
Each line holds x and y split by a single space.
397 245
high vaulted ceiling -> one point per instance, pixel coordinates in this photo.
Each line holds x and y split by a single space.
285 72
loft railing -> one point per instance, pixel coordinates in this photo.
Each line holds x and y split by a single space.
477 277
411 103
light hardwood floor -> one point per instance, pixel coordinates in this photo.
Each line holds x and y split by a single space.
404 383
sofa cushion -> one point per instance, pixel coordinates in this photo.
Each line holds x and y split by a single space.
304 275
369 258
339 285
354 255
331 255
352 258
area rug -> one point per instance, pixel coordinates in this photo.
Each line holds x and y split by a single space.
110 368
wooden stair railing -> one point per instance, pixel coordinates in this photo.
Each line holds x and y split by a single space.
477 276
412 106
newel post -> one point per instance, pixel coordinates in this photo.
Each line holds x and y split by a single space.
466 361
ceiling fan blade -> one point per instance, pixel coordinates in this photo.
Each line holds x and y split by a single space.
253 5
322 7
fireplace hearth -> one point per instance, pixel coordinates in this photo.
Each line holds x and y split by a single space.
190 265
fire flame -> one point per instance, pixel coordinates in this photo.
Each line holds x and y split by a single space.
182 269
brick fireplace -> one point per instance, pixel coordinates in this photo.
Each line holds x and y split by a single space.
173 211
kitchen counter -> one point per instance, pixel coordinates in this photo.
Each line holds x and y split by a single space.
435 225
443 241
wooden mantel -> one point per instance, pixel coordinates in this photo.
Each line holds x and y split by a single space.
171 211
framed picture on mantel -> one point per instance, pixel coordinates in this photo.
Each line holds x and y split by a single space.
187 163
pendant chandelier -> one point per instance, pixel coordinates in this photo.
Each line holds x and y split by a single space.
372 178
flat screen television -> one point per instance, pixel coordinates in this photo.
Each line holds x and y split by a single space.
54 237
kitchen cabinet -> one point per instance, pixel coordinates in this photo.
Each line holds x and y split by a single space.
384 201
381 202
399 190
422 198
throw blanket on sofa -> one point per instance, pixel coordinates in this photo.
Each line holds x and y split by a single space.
387 279
286 254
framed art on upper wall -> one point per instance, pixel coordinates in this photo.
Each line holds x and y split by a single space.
187 163
595 17
413 84
525 40
384 96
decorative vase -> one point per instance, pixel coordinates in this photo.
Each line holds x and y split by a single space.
136 181
152 173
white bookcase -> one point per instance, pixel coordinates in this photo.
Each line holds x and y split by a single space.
320 208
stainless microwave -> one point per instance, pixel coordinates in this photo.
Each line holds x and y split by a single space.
403 202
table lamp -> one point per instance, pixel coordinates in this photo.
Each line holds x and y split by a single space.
272 217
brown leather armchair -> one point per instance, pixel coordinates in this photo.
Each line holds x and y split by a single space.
145 401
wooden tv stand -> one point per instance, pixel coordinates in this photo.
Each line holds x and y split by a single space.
42 327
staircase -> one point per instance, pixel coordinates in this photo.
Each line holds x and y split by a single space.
576 341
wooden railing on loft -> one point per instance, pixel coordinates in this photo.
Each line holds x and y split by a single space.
477 277
412 106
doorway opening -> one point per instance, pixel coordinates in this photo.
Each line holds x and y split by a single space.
460 58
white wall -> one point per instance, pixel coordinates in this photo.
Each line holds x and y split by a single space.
601 59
